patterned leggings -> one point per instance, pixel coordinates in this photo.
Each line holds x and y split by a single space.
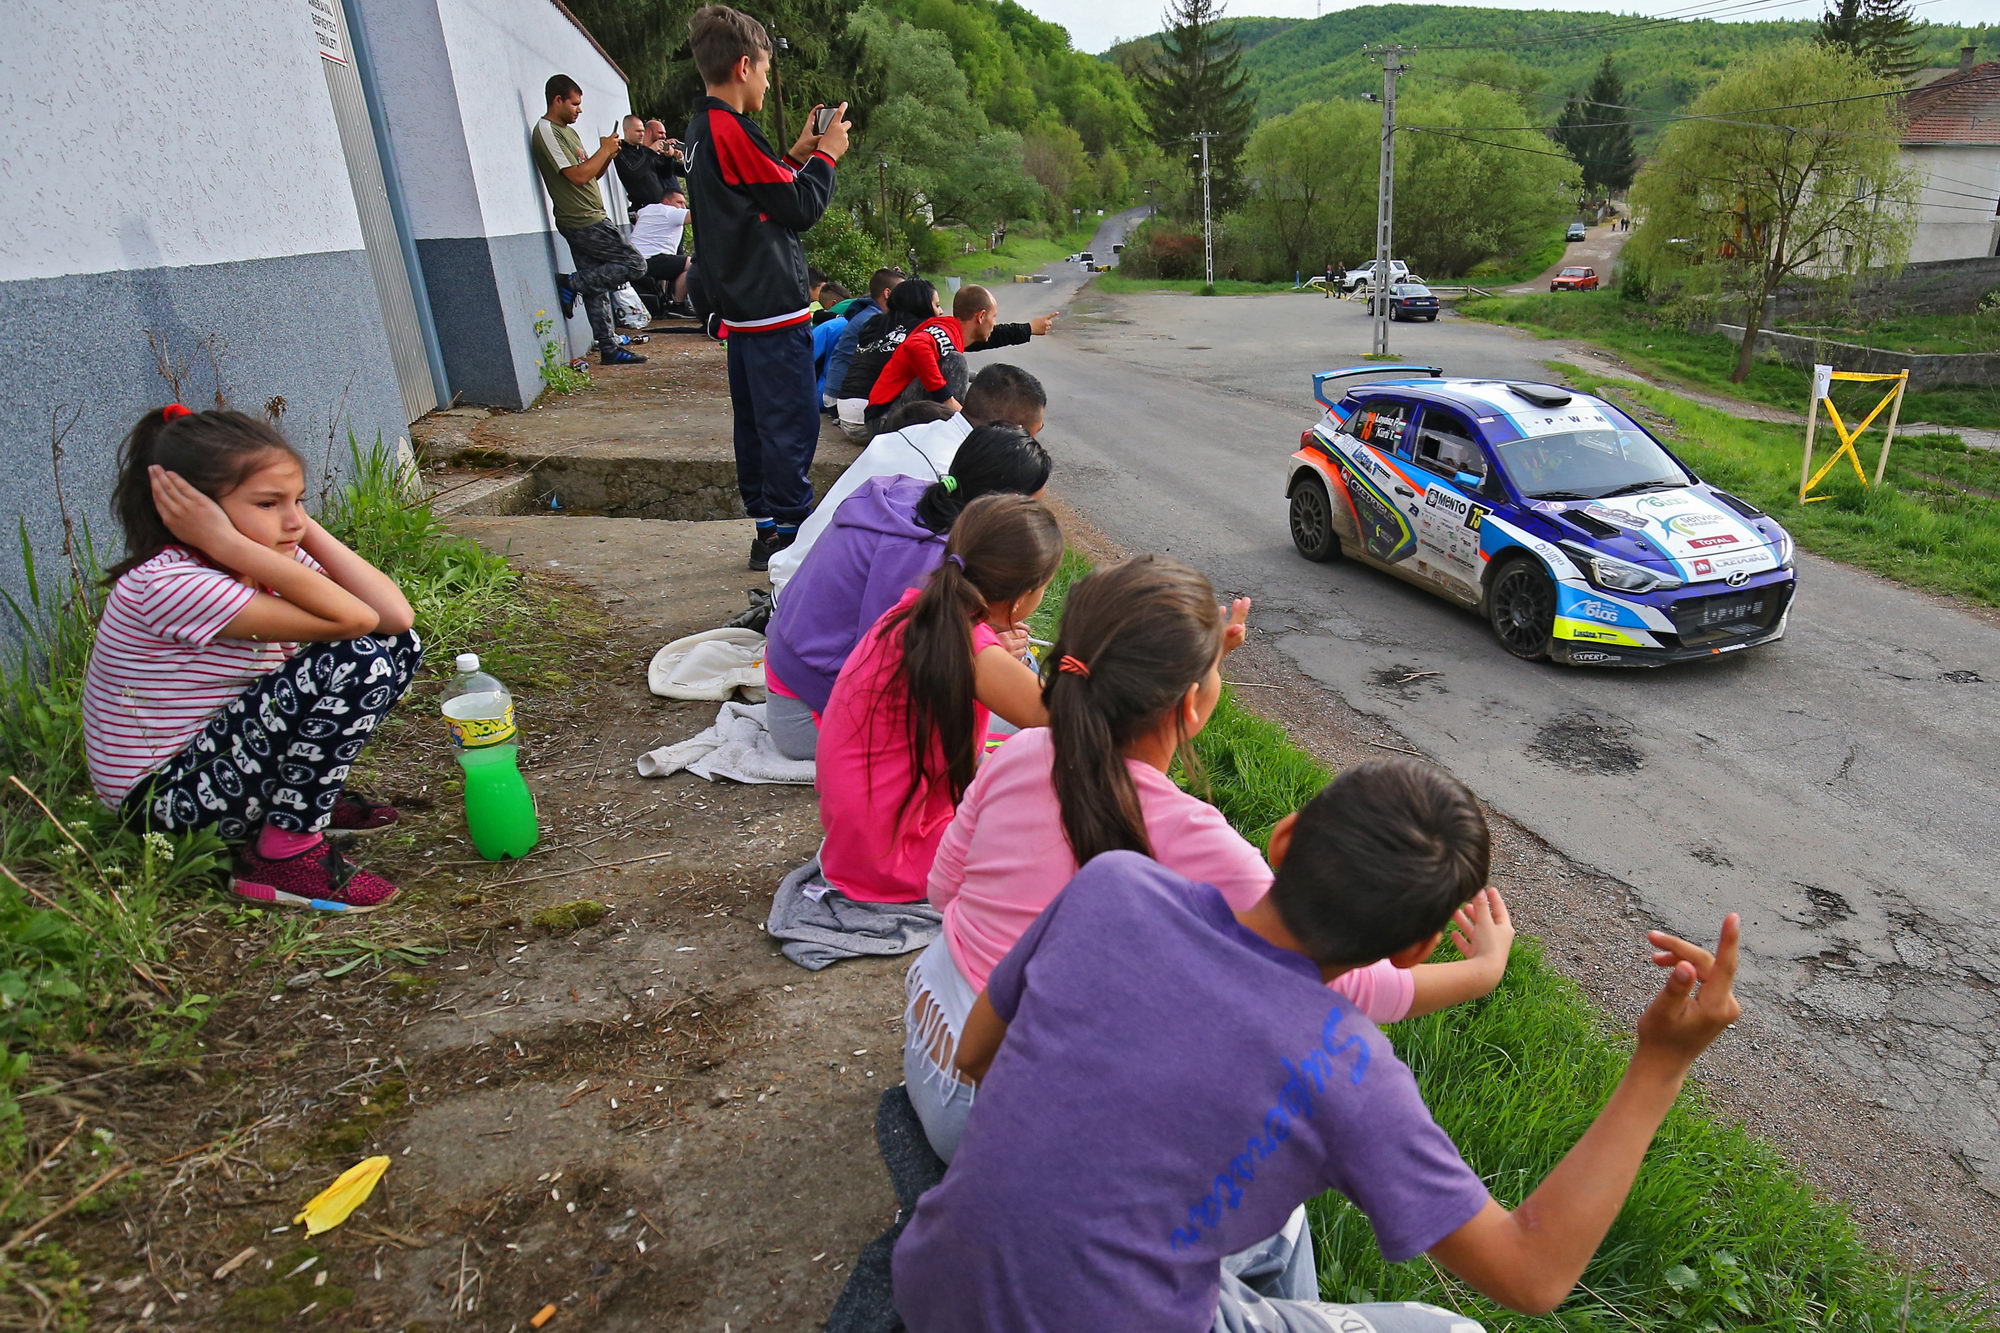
280 753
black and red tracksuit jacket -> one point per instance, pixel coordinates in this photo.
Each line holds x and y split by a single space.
749 206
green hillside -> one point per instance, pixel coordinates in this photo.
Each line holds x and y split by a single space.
1293 61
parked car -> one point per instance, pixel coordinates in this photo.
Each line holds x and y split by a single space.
1357 278
1086 258
1574 279
1578 536
1409 300
1577 232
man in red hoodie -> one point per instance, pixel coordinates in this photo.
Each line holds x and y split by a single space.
931 361
750 206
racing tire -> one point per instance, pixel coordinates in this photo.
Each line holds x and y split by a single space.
1521 608
1311 520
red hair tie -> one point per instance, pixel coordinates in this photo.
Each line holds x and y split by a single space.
1074 666
174 412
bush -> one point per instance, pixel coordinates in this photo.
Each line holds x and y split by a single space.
843 250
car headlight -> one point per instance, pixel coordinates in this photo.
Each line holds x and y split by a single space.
1608 571
1788 550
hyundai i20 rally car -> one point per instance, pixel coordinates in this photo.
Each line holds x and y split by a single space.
1558 517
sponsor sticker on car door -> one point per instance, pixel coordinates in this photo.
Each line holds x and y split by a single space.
1448 533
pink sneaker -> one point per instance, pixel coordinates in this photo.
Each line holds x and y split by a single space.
358 815
318 878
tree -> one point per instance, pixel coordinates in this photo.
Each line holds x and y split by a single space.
1596 128
1195 83
1311 177
1879 32
1741 201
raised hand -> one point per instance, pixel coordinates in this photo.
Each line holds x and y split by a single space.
1699 999
191 516
1484 932
1237 627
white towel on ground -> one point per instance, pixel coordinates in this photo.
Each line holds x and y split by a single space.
737 747
713 664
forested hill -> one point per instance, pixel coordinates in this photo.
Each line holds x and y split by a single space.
1293 61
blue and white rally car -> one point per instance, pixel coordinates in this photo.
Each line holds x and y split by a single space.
1574 531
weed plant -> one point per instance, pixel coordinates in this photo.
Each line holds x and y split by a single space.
558 375
1720 1232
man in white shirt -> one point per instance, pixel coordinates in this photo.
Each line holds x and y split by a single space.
999 392
656 234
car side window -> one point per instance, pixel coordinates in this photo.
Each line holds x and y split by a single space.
1381 424
1446 447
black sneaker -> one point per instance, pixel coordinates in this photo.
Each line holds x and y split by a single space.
680 310
618 356
766 544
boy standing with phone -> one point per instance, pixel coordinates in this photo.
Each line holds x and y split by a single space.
750 205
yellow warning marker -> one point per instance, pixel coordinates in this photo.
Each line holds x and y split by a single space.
1823 377
332 1205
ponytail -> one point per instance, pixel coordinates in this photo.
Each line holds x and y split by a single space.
1133 638
998 459
1002 547
212 451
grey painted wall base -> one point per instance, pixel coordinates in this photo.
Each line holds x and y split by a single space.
484 295
303 327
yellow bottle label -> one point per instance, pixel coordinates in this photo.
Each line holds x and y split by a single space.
476 733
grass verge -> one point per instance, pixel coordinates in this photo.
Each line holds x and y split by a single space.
94 916
1720 1232
1934 522
1117 284
1701 360
1021 253
1524 267
1947 334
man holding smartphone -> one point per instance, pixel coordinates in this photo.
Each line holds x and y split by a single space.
750 206
605 260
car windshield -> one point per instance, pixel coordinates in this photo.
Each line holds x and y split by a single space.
1575 273
1620 459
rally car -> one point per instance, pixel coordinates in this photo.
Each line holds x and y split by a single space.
1575 533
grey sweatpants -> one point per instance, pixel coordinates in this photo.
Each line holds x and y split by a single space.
604 261
1273 1287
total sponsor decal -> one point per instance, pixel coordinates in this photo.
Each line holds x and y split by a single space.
1720 539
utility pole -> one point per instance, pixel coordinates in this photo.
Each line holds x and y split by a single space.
1385 196
882 175
779 46
1207 224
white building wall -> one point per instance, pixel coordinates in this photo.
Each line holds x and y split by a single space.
1951 225
150 159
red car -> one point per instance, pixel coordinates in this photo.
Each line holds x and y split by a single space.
1574 280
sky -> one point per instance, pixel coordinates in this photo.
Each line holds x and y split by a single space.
1095 24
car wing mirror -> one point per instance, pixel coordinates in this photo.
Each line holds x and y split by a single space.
1470 480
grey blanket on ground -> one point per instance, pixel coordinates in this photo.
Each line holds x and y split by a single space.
738 747
818 924
867 1303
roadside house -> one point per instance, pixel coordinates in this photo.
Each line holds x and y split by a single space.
1951 136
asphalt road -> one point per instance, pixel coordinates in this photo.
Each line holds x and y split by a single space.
1837 788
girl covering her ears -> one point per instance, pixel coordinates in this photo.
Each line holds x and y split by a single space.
908 716
884 540
1138 673
243 658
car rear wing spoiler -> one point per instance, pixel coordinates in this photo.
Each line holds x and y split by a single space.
1322 378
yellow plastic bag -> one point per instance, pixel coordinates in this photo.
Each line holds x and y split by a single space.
332 1205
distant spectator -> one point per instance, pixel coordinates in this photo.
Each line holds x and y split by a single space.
883 339
604 259
860 312
656 234
828 325
909 303
1000 395
647 168
750 205
931 361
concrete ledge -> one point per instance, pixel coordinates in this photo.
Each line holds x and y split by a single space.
1928 370
677 578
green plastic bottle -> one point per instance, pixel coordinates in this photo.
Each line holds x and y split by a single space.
499 808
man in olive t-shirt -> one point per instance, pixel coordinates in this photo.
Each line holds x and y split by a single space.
605 260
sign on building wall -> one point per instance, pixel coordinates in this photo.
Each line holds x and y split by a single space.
326 31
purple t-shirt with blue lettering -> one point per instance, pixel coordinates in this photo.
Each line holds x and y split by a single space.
1170 1088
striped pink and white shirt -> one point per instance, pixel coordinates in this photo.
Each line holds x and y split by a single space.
160 669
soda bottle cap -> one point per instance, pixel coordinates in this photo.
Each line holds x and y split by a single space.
468 662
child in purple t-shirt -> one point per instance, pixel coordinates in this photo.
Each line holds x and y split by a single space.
1149 1115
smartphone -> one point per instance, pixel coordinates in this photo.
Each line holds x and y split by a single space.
823 119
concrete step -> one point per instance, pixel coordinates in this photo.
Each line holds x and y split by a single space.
676 577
